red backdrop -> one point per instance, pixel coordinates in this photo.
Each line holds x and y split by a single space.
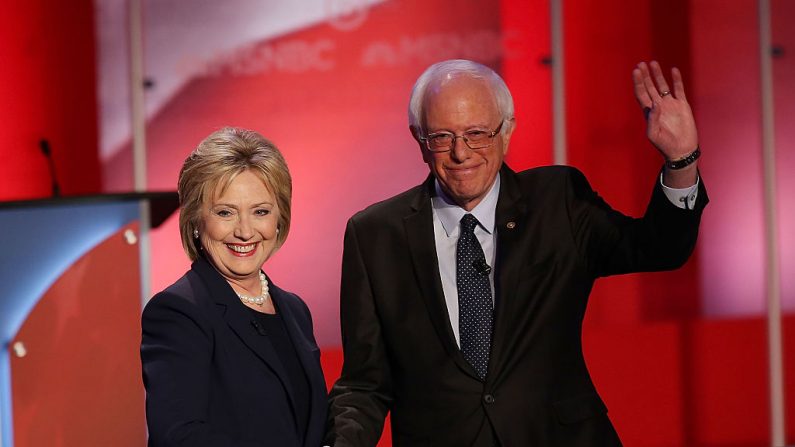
47 91
671 372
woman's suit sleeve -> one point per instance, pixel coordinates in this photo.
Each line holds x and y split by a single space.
176 353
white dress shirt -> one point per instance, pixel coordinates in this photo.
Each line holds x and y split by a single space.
446 218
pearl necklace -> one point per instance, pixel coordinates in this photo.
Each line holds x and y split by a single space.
258 300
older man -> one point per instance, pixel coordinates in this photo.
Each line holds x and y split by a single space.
462 298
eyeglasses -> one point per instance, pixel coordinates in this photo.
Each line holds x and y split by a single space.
474 139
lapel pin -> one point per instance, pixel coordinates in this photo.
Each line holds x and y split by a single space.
511 225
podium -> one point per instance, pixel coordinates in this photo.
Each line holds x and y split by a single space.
70 309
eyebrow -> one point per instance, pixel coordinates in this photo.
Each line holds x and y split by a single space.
467 129
255 205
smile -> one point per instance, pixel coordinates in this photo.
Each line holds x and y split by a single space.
463 172
241 249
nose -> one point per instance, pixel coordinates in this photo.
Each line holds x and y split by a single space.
243 230
460 151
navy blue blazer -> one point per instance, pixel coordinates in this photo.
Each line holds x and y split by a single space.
213 380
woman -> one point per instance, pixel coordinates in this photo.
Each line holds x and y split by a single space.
229 358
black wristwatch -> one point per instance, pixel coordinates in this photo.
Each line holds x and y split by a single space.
687 160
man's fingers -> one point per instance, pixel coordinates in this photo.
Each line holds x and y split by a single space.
640 89
648 83
651 86
659 79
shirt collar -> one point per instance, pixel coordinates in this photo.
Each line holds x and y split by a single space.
450 214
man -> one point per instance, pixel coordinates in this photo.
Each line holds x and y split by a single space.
462 298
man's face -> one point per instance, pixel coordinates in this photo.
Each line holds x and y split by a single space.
459 106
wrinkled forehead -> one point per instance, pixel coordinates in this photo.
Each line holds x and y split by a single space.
457 82
451 93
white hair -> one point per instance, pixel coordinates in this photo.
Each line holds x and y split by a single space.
441 72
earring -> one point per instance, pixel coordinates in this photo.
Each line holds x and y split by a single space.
277 231
195 234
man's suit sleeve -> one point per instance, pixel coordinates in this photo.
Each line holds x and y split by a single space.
612 243
176 351
360 399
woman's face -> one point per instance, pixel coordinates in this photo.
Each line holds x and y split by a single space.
239 227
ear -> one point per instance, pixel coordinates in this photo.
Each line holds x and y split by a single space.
417 133
507 130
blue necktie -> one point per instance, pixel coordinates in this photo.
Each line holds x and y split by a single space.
474 297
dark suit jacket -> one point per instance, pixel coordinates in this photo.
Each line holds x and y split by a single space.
212 380
555 236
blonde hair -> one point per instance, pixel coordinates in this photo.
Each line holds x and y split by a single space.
214 163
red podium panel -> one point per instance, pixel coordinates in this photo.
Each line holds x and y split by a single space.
79 380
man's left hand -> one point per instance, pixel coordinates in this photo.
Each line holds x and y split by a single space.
671 127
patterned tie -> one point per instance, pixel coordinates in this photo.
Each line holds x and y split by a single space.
474 297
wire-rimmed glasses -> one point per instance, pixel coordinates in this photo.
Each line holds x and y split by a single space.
474 139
